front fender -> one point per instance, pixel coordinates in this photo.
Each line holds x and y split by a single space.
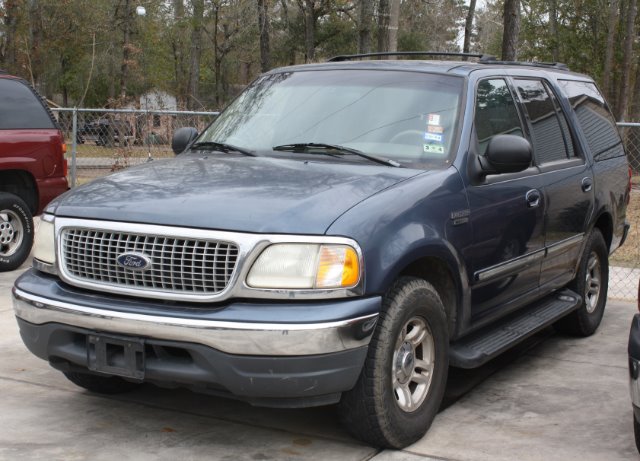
409 222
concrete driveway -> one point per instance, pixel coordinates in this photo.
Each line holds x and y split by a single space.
555 398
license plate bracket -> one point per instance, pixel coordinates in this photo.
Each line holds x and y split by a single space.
116 356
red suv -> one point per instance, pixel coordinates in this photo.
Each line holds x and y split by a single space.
32 166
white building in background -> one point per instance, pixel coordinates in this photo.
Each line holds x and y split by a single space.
158 100
152 128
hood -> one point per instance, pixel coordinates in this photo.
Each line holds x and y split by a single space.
224 192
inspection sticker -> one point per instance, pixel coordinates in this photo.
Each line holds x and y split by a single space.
433 148
434 137
433 119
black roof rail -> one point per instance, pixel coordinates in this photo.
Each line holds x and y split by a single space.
551 65
349 57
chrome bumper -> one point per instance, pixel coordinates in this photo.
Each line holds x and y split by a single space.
266 339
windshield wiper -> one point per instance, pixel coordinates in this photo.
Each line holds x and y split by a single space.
222 147
306 146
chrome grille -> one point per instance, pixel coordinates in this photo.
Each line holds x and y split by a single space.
178 265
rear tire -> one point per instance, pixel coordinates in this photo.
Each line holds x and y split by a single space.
16 232
101 384
403 380
592 283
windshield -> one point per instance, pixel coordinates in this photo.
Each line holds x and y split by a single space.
408 117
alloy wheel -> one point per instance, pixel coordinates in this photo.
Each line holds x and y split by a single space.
593 282
413 364
11 233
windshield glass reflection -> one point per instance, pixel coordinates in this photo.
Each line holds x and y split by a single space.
409 117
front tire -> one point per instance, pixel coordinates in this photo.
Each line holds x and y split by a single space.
403 380
592 283
16 232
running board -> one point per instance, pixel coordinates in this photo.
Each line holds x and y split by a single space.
480 347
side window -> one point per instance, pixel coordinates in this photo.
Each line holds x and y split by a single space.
549 143
594 117
20 108
496 112
562 118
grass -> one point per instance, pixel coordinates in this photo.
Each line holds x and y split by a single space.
629 254
90 150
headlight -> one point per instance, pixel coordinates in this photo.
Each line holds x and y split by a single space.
44 247
305 266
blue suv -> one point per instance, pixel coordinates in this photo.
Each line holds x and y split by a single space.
342 233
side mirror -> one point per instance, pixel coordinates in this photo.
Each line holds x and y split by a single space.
506 153
182 138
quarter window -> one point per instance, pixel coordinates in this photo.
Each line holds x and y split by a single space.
496 112
595 119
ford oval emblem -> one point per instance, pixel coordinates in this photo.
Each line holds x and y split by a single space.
134 261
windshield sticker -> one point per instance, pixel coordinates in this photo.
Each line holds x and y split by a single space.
435 129
437 138
433 119
433 149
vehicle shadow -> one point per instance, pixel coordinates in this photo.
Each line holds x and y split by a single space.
320 422
460 381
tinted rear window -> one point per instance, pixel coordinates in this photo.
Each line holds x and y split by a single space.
550 141
20 108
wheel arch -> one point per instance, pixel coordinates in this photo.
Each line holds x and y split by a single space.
22 184
437 272
604 223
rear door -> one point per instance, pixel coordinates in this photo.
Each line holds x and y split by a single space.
567 180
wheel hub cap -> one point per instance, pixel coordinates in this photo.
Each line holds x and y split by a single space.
6 232
405 363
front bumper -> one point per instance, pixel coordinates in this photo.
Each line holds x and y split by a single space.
266 339
634 364
299 353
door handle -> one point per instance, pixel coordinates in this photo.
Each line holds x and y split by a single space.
533 198
587 184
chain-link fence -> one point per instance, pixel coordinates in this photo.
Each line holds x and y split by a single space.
625 263
100 141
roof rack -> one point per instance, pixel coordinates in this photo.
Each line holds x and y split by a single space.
350 57
551 65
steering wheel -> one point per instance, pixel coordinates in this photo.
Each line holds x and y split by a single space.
412 136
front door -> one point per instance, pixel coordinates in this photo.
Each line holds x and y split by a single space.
506 214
